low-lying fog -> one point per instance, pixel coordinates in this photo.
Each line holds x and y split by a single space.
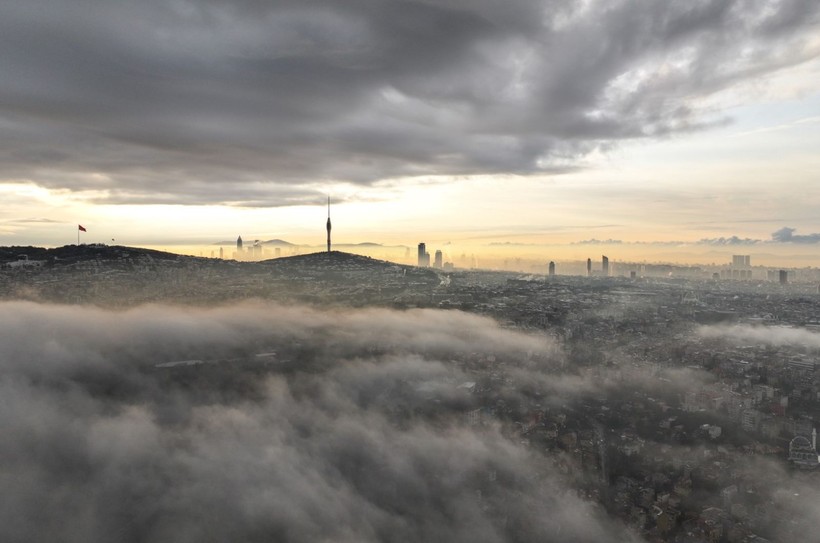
263 423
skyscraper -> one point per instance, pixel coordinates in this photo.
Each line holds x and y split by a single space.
328 224
552 269
741 267
589 267
439 259
741 261
784 277
423 256
239 243
605 266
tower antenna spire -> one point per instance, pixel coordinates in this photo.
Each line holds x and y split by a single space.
328 224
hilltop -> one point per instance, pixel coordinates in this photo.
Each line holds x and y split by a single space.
338 269
324 259
336 262
122 276
75 253
107 254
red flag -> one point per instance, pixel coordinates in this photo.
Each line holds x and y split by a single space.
81 228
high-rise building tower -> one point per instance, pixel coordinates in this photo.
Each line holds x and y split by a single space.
741 261
784 277
605 266
552 269
424 256
328 224
239 243
439 259
589 267
741 267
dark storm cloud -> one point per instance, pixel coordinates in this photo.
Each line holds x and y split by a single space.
341 444
213 101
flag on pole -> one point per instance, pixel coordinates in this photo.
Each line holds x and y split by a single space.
81 228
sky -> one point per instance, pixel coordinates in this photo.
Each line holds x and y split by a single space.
664 131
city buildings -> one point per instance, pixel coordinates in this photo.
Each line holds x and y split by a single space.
674 444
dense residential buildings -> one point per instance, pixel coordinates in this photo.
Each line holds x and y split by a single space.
673 391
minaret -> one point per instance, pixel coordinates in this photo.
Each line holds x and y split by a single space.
328 224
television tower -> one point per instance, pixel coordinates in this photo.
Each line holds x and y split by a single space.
328 224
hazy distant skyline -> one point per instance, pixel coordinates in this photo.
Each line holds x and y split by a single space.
473 124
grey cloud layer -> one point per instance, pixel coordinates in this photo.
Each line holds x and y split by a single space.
99 445
787 235
253 103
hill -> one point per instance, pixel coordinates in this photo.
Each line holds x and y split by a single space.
124 276
335 264
323 258
68 254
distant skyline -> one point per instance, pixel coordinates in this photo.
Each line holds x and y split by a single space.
677 132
